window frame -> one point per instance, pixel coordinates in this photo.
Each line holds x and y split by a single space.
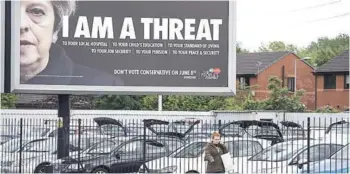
327 85
246 80
291 87
346 85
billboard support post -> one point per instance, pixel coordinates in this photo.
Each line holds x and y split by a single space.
63 127
160 102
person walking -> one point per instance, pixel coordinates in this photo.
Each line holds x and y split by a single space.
213 152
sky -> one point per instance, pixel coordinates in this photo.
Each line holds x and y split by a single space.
296 22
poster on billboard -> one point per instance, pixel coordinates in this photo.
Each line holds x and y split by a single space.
124 47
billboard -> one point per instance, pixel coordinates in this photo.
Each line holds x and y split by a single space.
123 47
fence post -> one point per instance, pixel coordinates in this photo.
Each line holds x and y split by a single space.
144 147
79 140
308 144
20 144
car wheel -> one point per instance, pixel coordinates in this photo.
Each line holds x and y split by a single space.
40 169
100 170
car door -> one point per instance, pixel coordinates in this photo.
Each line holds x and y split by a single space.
127 157
318 152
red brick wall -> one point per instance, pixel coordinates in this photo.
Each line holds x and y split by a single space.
338 97
305 78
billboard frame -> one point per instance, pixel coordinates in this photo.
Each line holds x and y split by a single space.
2 46
229 90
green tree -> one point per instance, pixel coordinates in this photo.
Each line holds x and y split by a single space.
324 49
8 101
279 99
278 46
327 109
118 102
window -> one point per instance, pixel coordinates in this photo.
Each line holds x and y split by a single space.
132 147
346 81
317 153
101 148
343 154
291 83
329 81
245 148
155 147
191 151
243 82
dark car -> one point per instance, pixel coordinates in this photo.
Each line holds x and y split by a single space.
252 128
125 158
293 131
130 155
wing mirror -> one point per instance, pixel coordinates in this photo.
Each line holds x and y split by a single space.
301 163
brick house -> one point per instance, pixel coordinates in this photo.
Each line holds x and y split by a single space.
333 83
256 68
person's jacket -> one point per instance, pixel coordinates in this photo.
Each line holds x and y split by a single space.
212 152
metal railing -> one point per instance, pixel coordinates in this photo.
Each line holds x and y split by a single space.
170 145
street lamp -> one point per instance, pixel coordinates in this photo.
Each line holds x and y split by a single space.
295 72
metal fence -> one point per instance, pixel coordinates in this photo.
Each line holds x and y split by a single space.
170 145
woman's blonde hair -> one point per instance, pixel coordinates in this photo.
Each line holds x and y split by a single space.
215 134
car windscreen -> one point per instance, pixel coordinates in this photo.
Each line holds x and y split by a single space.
40 146
106 146
35 131
277 153
233 130
257 131
340 128
12 145
243 148
193 150
112 129
342 154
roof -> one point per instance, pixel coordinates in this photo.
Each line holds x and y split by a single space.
339 63
247 63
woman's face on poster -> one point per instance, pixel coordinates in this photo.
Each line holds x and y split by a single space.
37 24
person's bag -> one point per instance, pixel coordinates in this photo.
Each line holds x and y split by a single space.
228 162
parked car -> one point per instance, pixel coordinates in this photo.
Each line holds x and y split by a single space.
286 157
190 158
128 156
337 163
294 131
35 153
254 129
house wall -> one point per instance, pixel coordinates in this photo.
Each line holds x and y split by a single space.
305 78
337 98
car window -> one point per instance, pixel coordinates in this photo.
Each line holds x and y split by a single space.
35 131
243 148
317 152
12 145
103 147
191 151
155 147
233 129
340 129
255 131
111 129
173 144
132 147
40 146
278 152
342 154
